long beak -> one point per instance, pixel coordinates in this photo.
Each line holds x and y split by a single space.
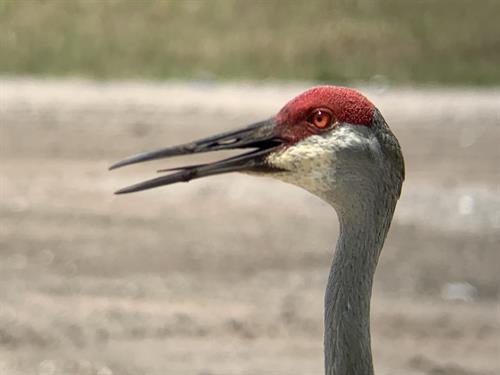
259 137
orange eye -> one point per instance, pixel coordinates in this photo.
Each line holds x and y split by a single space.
321 119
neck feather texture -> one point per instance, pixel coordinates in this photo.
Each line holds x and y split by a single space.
348 293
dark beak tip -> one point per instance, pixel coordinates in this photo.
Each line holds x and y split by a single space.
119 164
114 166
121 191
126 190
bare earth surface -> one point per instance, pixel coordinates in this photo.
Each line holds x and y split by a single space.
226 275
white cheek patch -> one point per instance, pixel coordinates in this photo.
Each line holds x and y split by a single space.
312 163
310 154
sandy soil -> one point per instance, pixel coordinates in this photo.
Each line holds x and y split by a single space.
226 275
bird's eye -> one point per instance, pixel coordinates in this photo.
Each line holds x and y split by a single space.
320 119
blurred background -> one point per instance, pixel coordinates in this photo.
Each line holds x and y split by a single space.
226 275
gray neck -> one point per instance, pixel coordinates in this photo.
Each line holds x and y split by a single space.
347 299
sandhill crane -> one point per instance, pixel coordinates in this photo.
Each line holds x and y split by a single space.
333 142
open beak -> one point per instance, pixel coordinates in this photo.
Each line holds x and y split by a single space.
259 137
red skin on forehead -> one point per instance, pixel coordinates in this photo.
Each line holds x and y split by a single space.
347 106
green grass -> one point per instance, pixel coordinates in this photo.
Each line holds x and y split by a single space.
426 41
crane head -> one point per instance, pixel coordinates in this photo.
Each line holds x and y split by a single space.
329 140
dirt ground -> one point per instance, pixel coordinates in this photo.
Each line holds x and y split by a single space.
226 275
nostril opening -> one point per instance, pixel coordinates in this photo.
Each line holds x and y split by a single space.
228 142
